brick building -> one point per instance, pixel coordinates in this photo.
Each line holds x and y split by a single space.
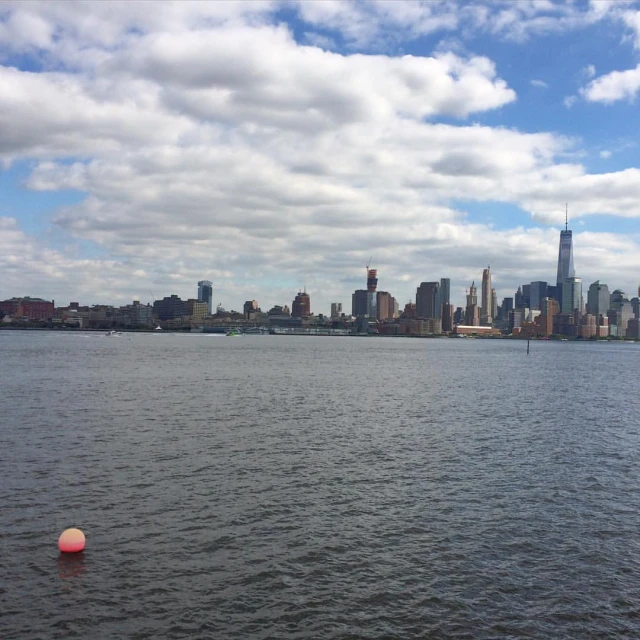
31 308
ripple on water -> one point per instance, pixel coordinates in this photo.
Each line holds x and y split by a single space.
318 488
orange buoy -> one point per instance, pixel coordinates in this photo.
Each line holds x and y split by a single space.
71 541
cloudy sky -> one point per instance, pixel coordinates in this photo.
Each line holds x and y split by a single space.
269 146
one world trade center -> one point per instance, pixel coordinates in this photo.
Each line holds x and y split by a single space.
565 258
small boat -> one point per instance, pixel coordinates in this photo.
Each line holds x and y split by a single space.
111 334
233 333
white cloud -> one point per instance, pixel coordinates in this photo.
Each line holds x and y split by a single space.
263 74
319 40
632 20
589 71
519 21
539 84
569 101
605 154
379 23
237 154
614 86
55 114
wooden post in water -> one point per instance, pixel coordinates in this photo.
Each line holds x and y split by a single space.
527 346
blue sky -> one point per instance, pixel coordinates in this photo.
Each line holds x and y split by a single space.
268 146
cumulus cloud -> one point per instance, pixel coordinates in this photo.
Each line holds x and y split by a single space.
241 155
614 86
539 84
249 74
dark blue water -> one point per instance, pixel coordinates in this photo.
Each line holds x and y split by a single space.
298 487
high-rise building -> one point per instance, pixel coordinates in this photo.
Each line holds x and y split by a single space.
336 309
565 260
170 308
447 317
621 311
372 298
472 294
507 305
205 293
427 300
572 295
364 302
301 306
598 299
550 308
445 295
395 308
359 303
537 293
487 302
386 305
472 312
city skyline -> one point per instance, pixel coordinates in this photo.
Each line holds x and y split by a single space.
273 147
430 298
537 309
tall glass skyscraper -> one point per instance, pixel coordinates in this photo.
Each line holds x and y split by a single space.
205 293
428 300
444 296
571 295
598 299
565 260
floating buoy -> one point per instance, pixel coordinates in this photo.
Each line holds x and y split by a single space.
71 541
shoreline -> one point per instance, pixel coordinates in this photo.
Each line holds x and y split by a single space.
332 335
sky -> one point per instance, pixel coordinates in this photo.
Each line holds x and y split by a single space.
275 146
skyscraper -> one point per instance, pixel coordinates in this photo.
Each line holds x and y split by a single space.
372 298
301 307
598 299
359 303
444 294
364 302
205 293
427 299
487 302
471 316
472 296
386 305
571 295
565 260
538 292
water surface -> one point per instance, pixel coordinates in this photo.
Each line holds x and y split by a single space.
301 487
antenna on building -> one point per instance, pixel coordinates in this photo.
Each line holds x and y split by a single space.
566 216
